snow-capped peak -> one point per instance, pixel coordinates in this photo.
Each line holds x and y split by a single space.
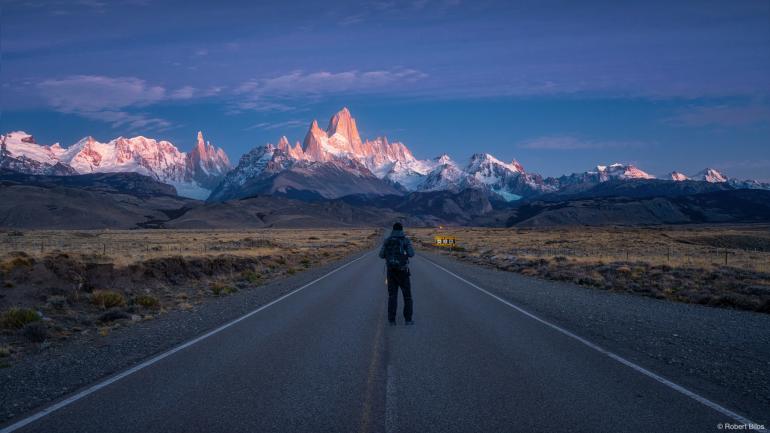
677 176
479 160
710 175
443 159
621 171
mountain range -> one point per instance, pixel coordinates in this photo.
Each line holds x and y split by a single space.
328 164
193 174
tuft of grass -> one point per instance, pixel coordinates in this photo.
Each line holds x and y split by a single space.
305 263
20 260
185 306
5 351
252 277
220 288
16 318
107 298
291 271
147 301
623 269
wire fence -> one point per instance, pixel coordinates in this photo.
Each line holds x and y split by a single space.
753 259
155 247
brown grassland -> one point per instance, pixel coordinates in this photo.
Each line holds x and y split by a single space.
56 285
722 266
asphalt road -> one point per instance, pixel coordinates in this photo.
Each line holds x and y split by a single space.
323 359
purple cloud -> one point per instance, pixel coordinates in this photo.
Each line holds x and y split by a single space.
721 115
568 142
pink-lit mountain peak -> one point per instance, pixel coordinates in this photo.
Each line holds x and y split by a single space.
344 125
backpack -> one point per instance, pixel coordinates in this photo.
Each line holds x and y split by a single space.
395 253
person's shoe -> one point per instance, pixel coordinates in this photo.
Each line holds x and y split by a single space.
410 322
392 322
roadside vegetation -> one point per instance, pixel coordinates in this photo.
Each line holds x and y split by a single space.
60 285
710 265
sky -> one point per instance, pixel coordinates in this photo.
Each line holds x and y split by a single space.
560 86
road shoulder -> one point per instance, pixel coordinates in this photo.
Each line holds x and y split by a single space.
722 354
61 370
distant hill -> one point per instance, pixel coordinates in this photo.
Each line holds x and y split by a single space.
95 201
728 206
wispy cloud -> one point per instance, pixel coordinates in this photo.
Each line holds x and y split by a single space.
569 142
69 7
132 121
721 116
114 99
324 82
278 92
288 124
93 92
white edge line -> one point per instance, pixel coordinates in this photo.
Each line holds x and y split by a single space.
700 399
92 389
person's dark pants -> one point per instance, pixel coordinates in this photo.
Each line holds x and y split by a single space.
399 278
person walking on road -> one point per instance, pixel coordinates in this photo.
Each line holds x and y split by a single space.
396 250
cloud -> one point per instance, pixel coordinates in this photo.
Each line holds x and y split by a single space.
93 92
568 142
107 99
721 116
323 82
114 99
69 7
294 123
276 93
134 121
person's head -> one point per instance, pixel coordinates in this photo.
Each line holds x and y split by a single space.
398 226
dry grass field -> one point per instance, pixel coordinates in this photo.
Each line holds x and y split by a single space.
58 284
714 265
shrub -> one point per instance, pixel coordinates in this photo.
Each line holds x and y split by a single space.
623 270
219 288
16 318
147 301
35 332
5 351
107 298
291 271
20 261
251 276
305 262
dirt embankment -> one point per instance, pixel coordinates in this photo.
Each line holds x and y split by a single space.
49 298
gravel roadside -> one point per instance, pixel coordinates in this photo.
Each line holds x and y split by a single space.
56 371
721 354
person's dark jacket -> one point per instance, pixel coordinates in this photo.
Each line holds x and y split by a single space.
407 243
